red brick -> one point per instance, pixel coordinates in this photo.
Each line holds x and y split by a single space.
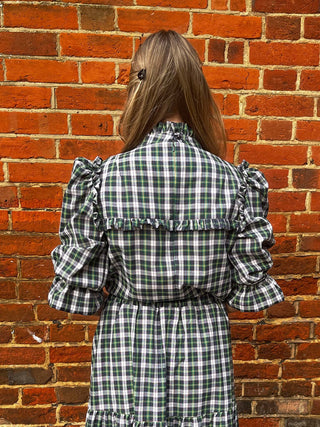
305 223
239 315
33 290
310 308
39 172
124 71
30 122
241 129
284 244
40 16
304 286
282 406
4 220
288 331
41 197
31 334
5 337
243 352
97 18
27 148
296 388
7 289
41 70
91 124
32 415
8 197
11 244
91 331
274 154
259 422
280 79
71 148
235 52
70 354
219 4
95 45
316 155
97 72
172 3
284 6
241 332
45 312
277 178
274 351
231 78
73 413
8 267
306 370
72 394
227 25
275 53
199 45
216 50
16 312
8 396
294 265
283 27
315 410
1 171
260 389
311 27
73 373
281 310
287 201
151 20
276 130
315 201
239 5
310 80
67 333
40 268
306 178
110 2
256 370
89 98
25 97
308 351
308 130
38 396
279 222
279 105
28 43
230 105
21 355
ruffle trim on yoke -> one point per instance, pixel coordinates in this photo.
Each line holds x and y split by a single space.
109 418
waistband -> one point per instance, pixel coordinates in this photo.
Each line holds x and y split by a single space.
206 298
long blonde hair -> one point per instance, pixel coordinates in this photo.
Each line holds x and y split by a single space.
173 83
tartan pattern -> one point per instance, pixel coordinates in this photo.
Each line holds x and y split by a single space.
172 232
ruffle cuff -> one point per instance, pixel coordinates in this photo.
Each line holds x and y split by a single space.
256 297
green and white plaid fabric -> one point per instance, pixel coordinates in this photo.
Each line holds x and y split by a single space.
172 232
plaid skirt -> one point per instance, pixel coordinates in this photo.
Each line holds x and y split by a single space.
162 364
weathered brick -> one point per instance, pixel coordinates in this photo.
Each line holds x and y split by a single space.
32 290
33 123
39 172
45 312
36 268
279 105
277 178
98 72
280 79
256 370
32 415
73 413
28 43
72 394
282 332
30 334
89 98
306 178
227 25
5 334
239 5
296 388
260 389
243 351
41 197
274 351
216 50
71 148
41 70
21 376
311 27
281 53
284 6
294 265
9 197
15 244
16 312
283 27
241 129
67 333
38 396
310 243
281 310
274 154
91 124
25 97
303 286
40 16
305 223
95 18
8 396
241 332
231 78
285 202
235 52
27 148
284 244
172 3
276 130
21 355
41 222
8 267
308 130
73 373
70 354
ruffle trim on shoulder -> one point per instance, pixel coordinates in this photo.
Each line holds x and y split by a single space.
108 418
169 224
252 180
87 173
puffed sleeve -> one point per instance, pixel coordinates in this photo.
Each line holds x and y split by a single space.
252 288
80 261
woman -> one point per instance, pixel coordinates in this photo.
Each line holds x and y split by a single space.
173 232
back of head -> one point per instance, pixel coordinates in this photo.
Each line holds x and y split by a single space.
173 83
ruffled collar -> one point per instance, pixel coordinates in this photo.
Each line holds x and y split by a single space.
180 130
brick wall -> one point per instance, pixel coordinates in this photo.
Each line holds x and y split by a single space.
63 71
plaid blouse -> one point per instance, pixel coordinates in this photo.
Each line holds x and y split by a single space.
172 232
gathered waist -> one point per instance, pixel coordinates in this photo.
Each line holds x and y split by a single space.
206 298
